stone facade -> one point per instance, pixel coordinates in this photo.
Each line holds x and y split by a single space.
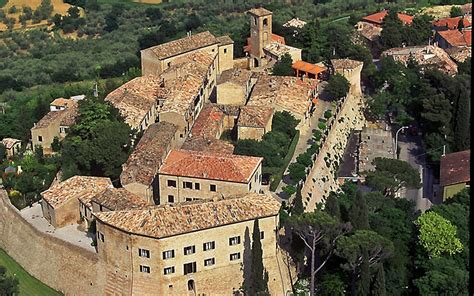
260 35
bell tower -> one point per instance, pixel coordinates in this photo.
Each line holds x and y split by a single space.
260 34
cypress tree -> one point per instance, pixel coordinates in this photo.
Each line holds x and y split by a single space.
258 275
378 288
298 207
462 129
363 284
358 215
332 206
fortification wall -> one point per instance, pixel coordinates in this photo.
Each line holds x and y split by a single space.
321 180
67 268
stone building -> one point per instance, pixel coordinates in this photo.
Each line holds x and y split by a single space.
284 93
54 125
12 146
117 199
455 172
263 46
192 175
452 23
157 59
350 69
196 248
63 204
234 86
139 172
453 38
254 122
136 101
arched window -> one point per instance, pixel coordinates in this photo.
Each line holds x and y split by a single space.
265 22
191 285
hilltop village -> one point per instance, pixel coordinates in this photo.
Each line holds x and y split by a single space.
180 222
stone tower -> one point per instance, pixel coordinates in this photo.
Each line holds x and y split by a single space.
260 34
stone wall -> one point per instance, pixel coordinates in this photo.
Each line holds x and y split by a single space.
321 179
67 268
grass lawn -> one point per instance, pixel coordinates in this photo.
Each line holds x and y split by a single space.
29 286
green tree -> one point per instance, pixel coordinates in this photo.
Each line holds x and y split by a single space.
258 274
462 124
332 285
437 235
337 86
332 206
392 31
297 171
298 207
358 215
3 152
283 66
8 284
363 283
56 145
315 229
378 285
455 11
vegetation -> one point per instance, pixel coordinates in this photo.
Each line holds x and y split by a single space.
27 284
258 275
338 86
283 66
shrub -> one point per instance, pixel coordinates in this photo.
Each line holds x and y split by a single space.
327 114
304 159
317 135
290 190
297 171
322 126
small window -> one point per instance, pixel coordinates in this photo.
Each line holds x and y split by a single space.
189 250
225 50
189 268
234 240
180 135
250 186
168 254
144 268
171 198
169 64
197 186
209 262
209 246
188 185
212 187
234 256
144 253
172 183
168 270
262 235
40 139
265 22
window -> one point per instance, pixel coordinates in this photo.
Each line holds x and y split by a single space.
225 50
265 22
144 253
250 186
213 50
170 198
168 270
212 187
188 185
169 64
262 235
40 139
197 186
234 240
189 268
209 246
144 268
168 254
209 262
189 250
171 183
234 256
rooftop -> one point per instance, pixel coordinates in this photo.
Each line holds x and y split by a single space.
9 142
260 11
225 40
456 38
72 111
118 199
255 116
275 38
370 31
345 63
183 45
142 165
223 167
208 145
289 93
279 49
135 98
459 53
170 220
209 123
60 102
452 22
374 142
74 187
378 17
308 67
295 23
455 168
49 118
235 75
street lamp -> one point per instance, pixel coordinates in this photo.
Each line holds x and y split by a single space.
396 140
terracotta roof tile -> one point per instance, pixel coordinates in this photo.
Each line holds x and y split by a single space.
455 168
183 45
456 38
377 18
170 220
209 123
145 160
235 75
118 199
308 67
75 187
345 63
459 53
452 22
224 167
260 11
65 117
255 116
208 145
225 40
60 102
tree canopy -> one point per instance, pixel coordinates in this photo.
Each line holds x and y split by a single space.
337 86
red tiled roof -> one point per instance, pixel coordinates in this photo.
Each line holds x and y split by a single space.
209 122
452 22
456 38
454 168
308 67
378 17
224 167
275 38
